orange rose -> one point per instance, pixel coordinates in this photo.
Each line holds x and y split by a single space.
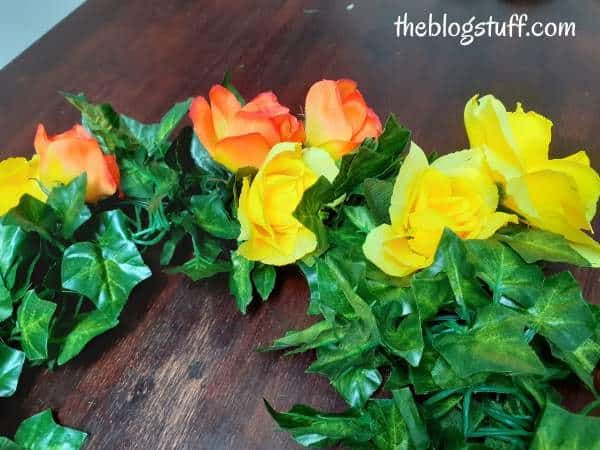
67 155
337 117
239 136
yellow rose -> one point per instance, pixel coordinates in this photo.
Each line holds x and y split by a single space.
453 192
17 178
558 195
270 232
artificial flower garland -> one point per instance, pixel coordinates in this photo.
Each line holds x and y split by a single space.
439 328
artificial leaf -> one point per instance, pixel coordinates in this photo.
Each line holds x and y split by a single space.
7 444
431 290
320 334
505 273
147 180
240 283
69 204
410 414
17 247
311 428
389 429
263 277
41 432
560 429
6 302
204 161
105 271
451 257
378 194
11 365
34 216
533 244
360 217
204 263
561 314
88 326
33 319
211 215
495 343
356 385
308 211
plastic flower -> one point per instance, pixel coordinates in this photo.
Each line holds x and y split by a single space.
65 156
453 192
239 136
337 117
558 195
17 178
270 232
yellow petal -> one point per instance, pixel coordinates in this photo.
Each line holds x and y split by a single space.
532 132
493 223
391 252
406 187
488 128
586 179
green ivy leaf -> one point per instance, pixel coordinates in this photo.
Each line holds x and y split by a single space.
360 217
320 334
356 385
451 257
204 161
88 326
33 319
263 277
6 302
561 314
410 414
495 343
11 365
147 180
34 216
311 428
105 271
17 248
7 444
212 216
560 429
389 429
240 284
431 290
505 272
40 432
69 204
378 194
204 264
535 245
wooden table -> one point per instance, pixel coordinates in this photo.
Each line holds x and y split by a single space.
180 371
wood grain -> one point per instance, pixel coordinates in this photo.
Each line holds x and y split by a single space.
180 371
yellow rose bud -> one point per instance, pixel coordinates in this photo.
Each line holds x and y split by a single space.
558 195
453 192
17 178
270 232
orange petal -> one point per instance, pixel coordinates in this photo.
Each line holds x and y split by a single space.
245 122
224 107
41 140
266 103
290 128
371 128
202 119
355 110
325 117
242 151
346 87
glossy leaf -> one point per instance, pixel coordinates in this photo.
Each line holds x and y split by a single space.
378 194
240 283
495 343
105 271
560 429
7 444
412 418
356 385
263 277
311 428
6 302
389 429
69 204
41 432
147 180
88 326
534 245
505 273
11 365
33 319
204 263
560 314
212 216
34 216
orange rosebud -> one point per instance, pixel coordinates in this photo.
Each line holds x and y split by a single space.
240 136
338 118
67 155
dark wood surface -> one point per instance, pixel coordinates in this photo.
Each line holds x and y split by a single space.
180 371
